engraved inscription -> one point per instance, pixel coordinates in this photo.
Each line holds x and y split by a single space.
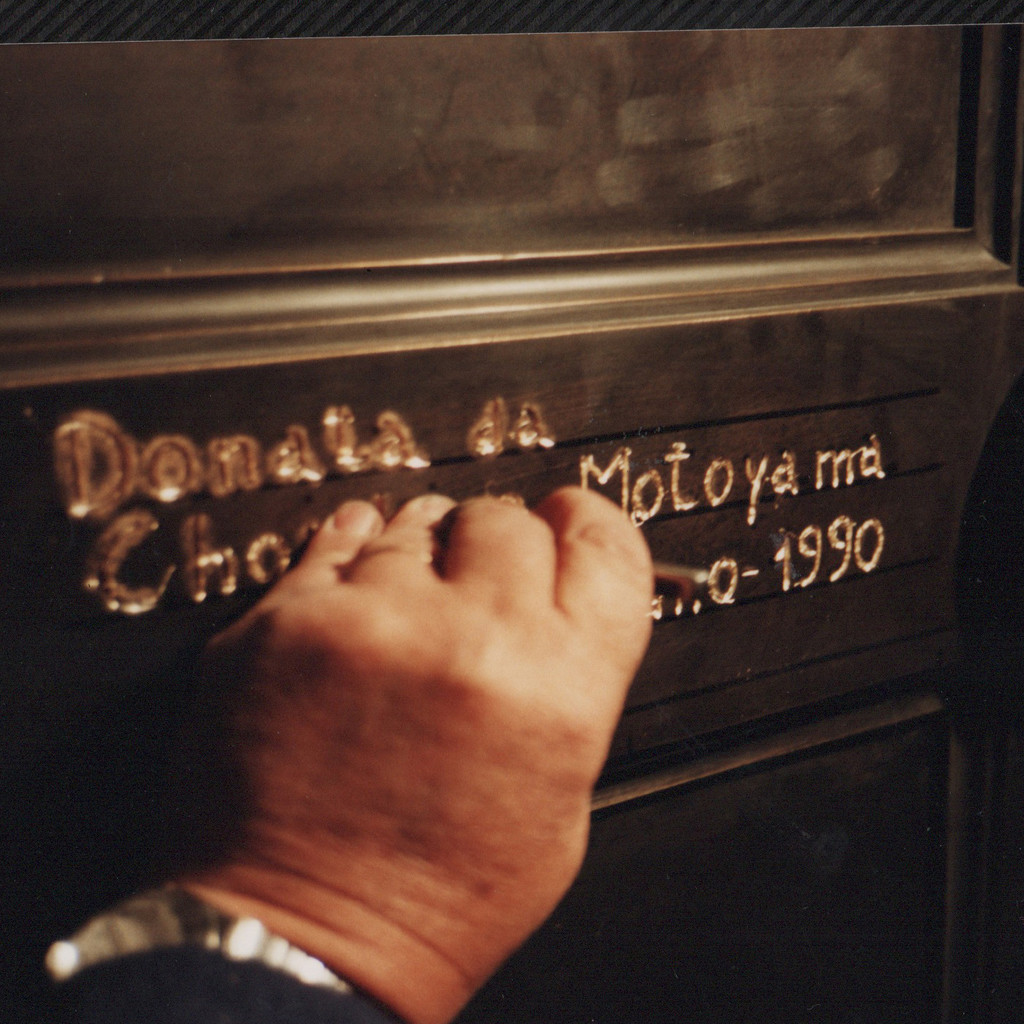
170 468
95 464
869 528
644 498
99 466
529 429
860 545
267 557
677 455
394 446
293 461
495 426
755 477
207 568
340 438
649 482
234 464
619 464
784 476
723 581
108 556
846 463
686 484
486 436
718 481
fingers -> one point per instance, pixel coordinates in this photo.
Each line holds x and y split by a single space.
502 554
604 581
339 540
406 548
576 549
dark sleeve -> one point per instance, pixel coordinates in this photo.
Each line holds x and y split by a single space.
190 985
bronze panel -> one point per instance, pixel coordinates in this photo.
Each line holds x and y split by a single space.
163 159
854 411
807 889
245 281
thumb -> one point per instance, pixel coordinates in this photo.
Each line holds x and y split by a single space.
604 578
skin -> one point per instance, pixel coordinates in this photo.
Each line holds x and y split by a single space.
428 706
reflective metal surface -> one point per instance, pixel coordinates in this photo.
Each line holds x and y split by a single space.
163 159
760 289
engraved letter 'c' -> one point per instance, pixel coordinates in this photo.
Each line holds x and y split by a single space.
95 464
267 557
110 552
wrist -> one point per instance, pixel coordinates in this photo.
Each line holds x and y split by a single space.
357 940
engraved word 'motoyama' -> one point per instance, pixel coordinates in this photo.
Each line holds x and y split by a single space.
675 489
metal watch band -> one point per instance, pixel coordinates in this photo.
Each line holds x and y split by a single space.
162 918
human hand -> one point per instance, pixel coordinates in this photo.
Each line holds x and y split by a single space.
419 730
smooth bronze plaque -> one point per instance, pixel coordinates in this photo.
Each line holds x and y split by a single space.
761 290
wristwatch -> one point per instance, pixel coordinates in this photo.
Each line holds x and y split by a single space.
167 917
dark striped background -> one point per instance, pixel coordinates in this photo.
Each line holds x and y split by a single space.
93 20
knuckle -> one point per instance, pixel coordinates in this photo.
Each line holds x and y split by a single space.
622 543
426 508
488 508
620 561
495 519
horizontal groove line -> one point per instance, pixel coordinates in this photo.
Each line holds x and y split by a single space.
902 474
931 467
885 570
703 510
726 421
823 659
818 735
